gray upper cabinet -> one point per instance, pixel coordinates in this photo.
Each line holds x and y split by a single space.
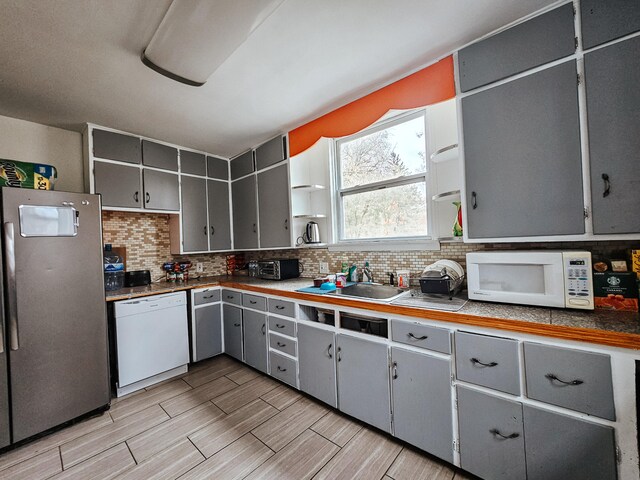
422 401
541 40
208 325
232 328
245 215
219 215
193 163
607 20
613 102
159 156
118 184
161 190
363 380
242 165
116 146
273 207
195 232
562 447
317 363
255 339
217 168
523 166
271 152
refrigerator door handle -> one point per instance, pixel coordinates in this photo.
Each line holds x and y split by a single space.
12 297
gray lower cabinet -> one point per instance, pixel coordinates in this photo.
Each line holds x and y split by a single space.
195 234
273 207
245 215
232 326
208 332
491 436
363 380
219 215
317 363
421 401
119 184
255 339
161 190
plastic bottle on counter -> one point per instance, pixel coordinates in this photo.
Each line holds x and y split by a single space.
113 269
367 276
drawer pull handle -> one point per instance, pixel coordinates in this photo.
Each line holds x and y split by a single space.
281 344
230 297
279 307
395 370
475 361
253 302
208 296
329 350
280 369
497 433
423 337
552 377
279 326
236 324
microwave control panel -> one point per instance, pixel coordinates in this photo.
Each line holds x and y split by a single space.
578 280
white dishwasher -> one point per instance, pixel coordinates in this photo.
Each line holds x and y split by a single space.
152 340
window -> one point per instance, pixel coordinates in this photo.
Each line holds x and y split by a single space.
382 181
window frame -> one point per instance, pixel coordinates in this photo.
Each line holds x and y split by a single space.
400 243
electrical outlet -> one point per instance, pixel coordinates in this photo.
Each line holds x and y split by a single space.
324 267
199 267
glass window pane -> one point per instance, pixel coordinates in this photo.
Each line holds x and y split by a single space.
391 212
393 152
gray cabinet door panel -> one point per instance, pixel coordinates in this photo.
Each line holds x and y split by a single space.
482 419
523 167
217 168
208 331
604 21
363 380
535 42
193 163
255 339
559 447
273 207
159 156
195 234
317 363
245 215
242 165
613 105
219 215
420 335
232 330
548 367
116 146
118 184
271 152
488 361
422 401
161 190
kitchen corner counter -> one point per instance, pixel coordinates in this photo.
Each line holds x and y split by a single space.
618 329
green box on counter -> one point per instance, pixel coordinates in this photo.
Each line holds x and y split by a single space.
35 176
615 291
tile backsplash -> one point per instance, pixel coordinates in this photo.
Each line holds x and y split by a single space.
146 237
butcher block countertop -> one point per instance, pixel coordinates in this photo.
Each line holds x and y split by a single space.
618 329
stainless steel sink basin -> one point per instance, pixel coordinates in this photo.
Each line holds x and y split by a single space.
370 291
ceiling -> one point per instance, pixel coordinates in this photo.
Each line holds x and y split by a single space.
67 62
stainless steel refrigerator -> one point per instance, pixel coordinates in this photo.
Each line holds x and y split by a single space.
53 330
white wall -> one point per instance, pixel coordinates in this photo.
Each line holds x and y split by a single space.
36 143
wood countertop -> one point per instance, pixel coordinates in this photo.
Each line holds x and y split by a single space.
617 329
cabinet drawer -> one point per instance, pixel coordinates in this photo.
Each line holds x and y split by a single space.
488 361
569 378
283 344
230 296
419 335
254 301
206 296
282 326
193 163
242 165
281 307
283 368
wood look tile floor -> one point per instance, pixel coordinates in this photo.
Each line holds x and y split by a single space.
221 420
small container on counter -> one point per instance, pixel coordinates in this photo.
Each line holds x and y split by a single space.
404 279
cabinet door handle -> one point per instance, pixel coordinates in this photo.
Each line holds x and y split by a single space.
205 230
286 224
497 433
329 350
395 370
135 197
474 200
607 185
213 230
475 361
423 337
255 230
282 345
280 369
147 197
552 377
339 356
263 329
236 324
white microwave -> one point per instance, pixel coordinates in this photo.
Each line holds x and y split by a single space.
544 278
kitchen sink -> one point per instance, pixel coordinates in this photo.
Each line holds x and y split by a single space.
371 291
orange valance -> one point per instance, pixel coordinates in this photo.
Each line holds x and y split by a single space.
430 85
